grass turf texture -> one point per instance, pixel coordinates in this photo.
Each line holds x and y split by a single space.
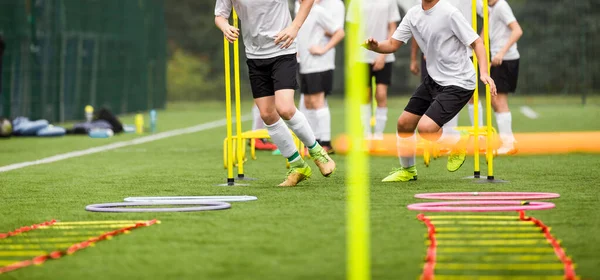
289 233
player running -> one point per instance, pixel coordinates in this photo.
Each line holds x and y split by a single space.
381 18
321 32
505 31
442 33
269 35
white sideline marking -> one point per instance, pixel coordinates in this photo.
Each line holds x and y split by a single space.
528 112
141 140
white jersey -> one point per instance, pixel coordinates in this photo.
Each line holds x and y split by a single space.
312 33
337 10
442 33
464 6
376 17
261 21
466 9
501 15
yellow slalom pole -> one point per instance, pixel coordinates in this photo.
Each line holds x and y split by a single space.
476 171
373 103
488 97
358 265
230 179
238 106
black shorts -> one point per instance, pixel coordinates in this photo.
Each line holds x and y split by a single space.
439 103
506 76
424 73
383 76
272 74
312 83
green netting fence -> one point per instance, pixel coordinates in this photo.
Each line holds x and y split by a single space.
64 54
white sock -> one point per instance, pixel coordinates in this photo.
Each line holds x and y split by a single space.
472 113
407 150
381 120
452 122
323 116
299 125
257 122
504 121
282 137
365 113
450 136
301 105
313 121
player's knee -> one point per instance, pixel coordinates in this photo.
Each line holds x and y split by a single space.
287 112
269 116
405 126
428 130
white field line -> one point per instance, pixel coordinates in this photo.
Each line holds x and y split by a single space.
528 112
141 140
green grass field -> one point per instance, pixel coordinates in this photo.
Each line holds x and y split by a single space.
289 233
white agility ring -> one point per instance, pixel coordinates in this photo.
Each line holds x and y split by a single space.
122 206
171 199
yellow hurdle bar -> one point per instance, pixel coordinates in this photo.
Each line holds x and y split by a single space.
22 253
494 250
476 171
5 263
488 97
238 105
439 236
500 277
500 259
482 223
473 217
486 229
44 239
494 242
358 266
64 233
35 246
78 227
227 62
98 222
499 266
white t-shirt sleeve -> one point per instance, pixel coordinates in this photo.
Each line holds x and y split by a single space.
505 14
393 11
340 13
326 21
223 8
462 29
403 33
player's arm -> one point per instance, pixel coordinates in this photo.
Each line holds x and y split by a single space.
414 52
286 37
336 38
222 11
484 74
388 46
230 32
380 62
515 35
